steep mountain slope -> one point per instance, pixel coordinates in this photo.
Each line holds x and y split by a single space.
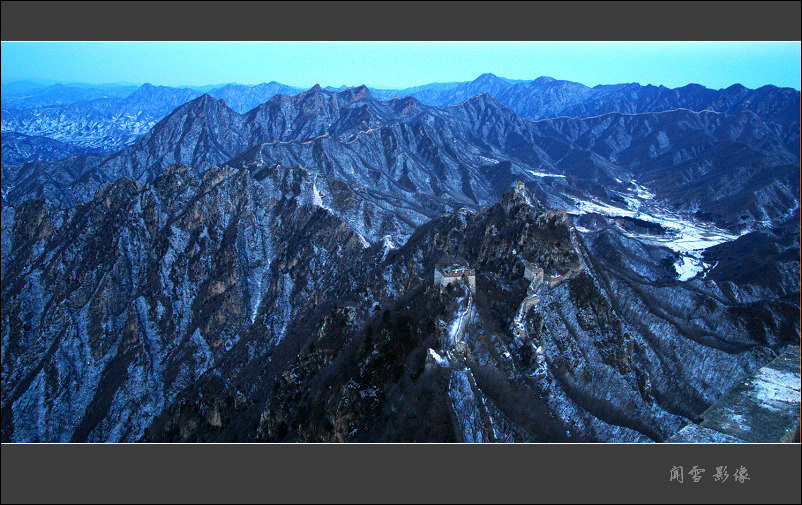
230 308
270 275
20 148
155 294
697 162
534 386
113 122
51 180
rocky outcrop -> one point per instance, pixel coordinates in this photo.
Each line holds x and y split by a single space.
764 408
113 308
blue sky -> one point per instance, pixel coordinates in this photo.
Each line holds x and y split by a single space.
403 64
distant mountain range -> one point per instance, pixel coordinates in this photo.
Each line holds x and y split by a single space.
59 94
104 124
79 116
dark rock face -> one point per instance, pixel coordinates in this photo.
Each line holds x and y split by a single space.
363 374
269 276
140 291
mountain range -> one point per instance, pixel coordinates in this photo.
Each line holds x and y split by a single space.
699 162
70 114
18 97
270 273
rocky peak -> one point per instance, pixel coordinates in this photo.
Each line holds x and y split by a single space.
485 99
356 94
205 99
117 193
315 92
150 93
735 88
313 99
405 105
484 105
519 196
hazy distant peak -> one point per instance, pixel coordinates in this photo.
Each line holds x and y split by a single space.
488 78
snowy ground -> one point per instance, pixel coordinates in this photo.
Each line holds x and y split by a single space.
685 236
544 174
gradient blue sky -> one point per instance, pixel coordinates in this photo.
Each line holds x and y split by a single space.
403 64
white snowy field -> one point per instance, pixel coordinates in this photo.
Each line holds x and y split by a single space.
685 236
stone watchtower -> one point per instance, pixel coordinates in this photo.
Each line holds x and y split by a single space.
445 275
531 272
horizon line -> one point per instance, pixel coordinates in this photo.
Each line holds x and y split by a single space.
53 82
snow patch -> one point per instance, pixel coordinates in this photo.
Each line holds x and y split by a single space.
545 174
316 200
365 243
775 389
684 236
688 267
437 358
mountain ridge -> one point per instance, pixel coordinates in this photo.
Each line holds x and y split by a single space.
300 130
537 99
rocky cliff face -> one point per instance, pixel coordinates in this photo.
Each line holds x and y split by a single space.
399 359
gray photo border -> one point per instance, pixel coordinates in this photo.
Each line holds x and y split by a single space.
384 473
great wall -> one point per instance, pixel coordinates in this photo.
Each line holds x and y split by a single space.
763 408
